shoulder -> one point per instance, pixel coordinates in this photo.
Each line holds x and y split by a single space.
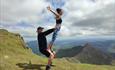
58 17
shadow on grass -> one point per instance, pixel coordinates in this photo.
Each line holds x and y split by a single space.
26 66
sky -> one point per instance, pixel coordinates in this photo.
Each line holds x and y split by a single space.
80 18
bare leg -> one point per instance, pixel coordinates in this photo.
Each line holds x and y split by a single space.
50 59
54 53
50 46
51 51
49 62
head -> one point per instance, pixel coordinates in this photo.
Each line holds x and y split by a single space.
40 29
59 11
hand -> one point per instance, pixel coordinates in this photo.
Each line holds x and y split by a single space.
49 8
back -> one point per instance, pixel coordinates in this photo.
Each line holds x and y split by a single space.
42 41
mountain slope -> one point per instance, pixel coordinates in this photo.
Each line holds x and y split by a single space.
93 55
15 56
86 54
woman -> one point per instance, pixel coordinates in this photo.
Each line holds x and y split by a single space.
58 13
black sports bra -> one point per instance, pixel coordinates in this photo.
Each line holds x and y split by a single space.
58 21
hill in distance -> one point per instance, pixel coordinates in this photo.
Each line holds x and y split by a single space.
85 54
14 55
105 44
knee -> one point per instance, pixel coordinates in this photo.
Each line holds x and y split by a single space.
52 56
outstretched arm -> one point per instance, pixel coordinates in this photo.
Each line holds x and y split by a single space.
49 31
56 14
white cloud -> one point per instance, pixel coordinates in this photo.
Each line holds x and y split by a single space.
34 13
14 11
80 10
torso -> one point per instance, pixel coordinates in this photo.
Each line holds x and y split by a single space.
42 41
58 21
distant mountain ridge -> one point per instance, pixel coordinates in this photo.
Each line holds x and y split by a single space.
105 44
34 46
85 54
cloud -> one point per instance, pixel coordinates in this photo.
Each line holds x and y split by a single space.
81 17
100 19
22 16
14 11
87 18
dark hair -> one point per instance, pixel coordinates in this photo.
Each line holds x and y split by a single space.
40 28
58 10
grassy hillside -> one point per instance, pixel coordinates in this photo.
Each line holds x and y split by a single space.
15 56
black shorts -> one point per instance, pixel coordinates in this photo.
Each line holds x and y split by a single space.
45 52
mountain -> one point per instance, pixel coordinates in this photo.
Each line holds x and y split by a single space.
86 54
103 43
8 39
14 55
34 46
106 44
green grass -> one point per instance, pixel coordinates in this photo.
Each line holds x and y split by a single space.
13 56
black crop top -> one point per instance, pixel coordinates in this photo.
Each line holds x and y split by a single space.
58 21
